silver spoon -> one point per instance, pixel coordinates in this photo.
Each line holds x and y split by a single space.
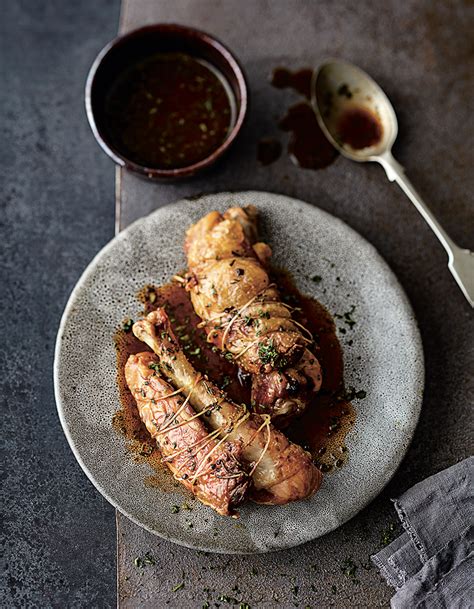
359 120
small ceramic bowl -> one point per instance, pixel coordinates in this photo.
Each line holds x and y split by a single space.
139 44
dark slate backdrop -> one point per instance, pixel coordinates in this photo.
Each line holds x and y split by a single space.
57 199
57 202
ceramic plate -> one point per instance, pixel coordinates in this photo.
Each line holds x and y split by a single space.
385 359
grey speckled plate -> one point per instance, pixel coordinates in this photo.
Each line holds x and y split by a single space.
385 359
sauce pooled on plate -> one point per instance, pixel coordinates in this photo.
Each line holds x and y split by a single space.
321 430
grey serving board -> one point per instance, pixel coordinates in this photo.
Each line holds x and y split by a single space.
419 53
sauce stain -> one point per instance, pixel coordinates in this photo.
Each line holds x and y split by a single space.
299 81
169 110
268 150
321 430
359 128
308 146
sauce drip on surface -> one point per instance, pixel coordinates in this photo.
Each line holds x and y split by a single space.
268 150
168 111
308 146
321 430
300 80
359 128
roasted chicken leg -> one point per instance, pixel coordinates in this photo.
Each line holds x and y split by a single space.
209 467
244 315
281 471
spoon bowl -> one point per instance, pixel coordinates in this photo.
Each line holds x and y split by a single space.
338 89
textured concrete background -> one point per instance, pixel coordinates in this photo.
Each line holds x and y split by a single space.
420 53
56 192
57 201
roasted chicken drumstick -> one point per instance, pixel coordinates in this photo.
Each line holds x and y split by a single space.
209 467
244 316
281 471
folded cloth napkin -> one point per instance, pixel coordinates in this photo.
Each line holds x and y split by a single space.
431 563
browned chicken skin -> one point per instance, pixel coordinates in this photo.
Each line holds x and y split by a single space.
281 471
244 315
209 468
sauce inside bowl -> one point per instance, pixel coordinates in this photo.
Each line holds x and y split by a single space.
170 110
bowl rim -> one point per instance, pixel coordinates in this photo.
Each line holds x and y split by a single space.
179 30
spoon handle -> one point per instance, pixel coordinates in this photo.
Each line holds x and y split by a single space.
461 261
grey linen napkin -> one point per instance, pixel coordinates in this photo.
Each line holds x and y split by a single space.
431 563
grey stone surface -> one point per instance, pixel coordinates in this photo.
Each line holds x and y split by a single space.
56 193
419 52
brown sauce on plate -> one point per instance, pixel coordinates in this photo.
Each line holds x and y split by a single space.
169 111
308 146
321 430
330 416
359 128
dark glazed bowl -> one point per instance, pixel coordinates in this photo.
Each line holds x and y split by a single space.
125 51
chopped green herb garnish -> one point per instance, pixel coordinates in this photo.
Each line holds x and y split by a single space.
349 568
268 354
145 450
143 561
175 509
178 587
224 598
226 381
127 325
351 393
388 535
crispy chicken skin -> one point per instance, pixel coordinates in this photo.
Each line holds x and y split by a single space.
243 314
210 469
281 471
